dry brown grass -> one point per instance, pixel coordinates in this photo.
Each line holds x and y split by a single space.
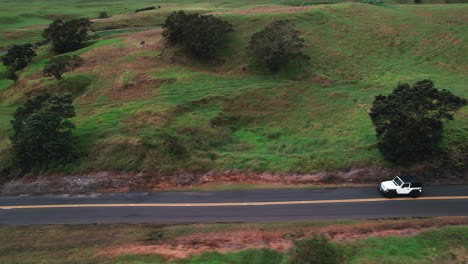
111 63
280 239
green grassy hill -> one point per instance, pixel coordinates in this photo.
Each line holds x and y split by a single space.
143 107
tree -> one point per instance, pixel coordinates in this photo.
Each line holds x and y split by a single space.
314 250
18 57
409 121
103 15
200 35
277 45
43 132
69 35
62 64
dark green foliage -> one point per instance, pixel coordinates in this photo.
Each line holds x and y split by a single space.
418 1
200 35
11 74
61 64
69 35
277 45
409 121
42 132
175 27
18 57
316 250
145 9
103 15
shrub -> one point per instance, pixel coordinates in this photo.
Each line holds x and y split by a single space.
200 35
61 64
18 57
313 251
408 122
418 1
69 35
103 15
145 9
277 45
42 132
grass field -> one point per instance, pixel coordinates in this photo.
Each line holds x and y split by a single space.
130 96
101 243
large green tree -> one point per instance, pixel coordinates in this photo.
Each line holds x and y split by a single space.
43 132
200 35
68 35
277 45
409 121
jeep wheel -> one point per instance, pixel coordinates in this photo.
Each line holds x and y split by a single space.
391 194
414 194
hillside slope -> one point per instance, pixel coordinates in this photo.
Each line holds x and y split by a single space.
143 107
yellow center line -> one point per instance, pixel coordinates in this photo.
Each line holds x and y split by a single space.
230 204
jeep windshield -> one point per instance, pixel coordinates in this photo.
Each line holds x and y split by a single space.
397 181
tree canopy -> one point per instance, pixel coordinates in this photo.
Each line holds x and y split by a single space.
200 35
277 45
43 132
18 57
409 121
68 35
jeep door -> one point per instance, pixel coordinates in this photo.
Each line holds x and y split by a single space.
405 188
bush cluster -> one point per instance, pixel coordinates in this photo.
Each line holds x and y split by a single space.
199 34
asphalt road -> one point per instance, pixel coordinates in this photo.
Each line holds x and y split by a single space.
190 206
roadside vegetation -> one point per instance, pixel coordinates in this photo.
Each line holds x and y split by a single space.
43 132
178 98
430 240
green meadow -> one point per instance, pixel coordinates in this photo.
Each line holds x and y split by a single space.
146 107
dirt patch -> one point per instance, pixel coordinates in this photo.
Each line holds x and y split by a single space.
281 240
264 10
337 95
322 79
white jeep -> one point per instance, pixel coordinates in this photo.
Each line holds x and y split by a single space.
401 185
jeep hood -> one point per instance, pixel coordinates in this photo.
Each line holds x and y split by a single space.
388 185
